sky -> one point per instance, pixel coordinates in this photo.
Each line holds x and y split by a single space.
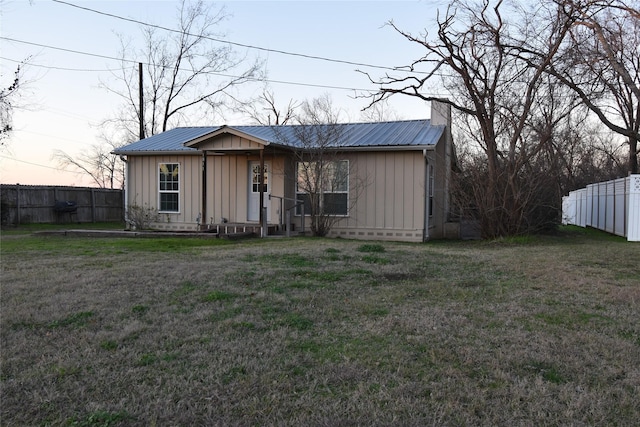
63 100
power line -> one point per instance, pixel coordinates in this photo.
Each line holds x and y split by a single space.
53 136
39 165
78 52
248 46
50 67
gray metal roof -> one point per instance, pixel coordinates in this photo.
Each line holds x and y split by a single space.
169 141
407 133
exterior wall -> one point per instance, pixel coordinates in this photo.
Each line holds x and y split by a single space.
142 188
440 158
386 197
387 194
228 186
227 177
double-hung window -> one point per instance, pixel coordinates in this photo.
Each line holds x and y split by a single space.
324 184
169 187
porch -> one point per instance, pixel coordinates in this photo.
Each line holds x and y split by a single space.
239 230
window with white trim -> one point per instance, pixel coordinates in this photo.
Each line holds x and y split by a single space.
327 184
169 187
255 179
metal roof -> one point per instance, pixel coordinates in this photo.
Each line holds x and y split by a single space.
169 141
406 133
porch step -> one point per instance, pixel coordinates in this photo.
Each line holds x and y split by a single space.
231 228
240 230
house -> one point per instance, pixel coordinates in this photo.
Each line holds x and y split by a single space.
394 186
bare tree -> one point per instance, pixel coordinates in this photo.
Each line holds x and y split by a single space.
105 168
323 178
8 95
186 74
379 112
265 111
601 63
476 55
187 78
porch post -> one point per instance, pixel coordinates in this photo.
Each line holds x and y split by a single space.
262 219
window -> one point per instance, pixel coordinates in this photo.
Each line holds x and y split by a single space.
327 184
169 185
255 179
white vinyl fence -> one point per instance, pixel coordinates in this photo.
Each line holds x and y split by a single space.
611 206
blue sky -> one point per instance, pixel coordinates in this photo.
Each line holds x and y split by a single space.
61 108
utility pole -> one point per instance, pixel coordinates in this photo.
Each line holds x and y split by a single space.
141 93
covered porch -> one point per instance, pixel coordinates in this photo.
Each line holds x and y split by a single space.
247 185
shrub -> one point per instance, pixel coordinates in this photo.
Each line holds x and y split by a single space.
141 217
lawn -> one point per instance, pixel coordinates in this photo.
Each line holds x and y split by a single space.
183 332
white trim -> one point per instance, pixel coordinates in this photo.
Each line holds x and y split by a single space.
323 192
252 196
159 191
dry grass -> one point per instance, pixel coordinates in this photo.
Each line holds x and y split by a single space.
110 332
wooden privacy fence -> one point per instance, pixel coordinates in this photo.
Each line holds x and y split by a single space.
24 204
611 206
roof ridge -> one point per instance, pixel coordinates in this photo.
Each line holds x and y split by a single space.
302 124
330 124
194 127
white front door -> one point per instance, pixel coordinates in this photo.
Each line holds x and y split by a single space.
254 191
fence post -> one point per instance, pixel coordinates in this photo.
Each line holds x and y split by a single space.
625 219
93 205
633 220
18 214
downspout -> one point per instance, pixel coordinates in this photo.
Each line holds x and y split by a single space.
125 189
204 188
425 234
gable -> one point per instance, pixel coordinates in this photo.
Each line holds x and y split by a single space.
228 143
227 138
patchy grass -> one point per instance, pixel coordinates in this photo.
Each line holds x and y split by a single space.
371 247
75 319
100 419
136 332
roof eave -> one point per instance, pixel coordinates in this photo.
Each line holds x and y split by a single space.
193 152
196 152
387 148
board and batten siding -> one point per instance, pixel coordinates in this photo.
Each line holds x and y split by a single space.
226 177
387 196
143 188
228 186
387 190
